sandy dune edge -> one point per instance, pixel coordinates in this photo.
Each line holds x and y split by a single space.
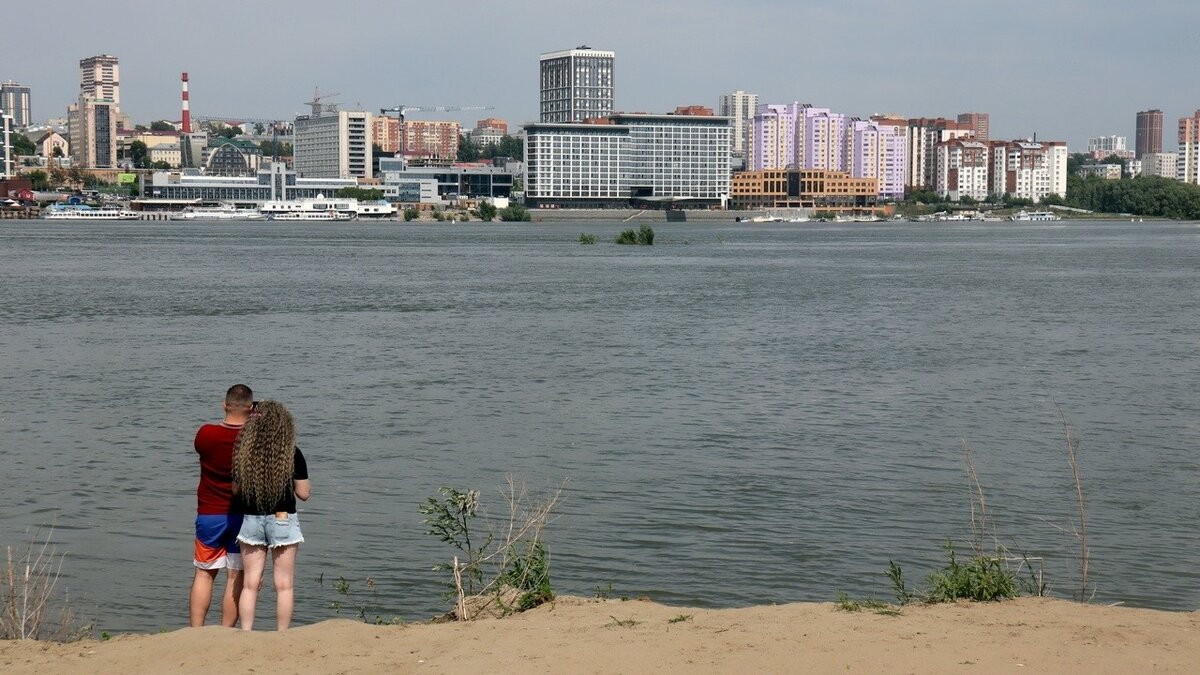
581 636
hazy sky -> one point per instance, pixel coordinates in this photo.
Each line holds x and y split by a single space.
1063 69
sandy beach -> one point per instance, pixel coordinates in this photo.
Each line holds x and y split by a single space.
609 636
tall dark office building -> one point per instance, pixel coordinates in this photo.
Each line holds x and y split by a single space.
1149 132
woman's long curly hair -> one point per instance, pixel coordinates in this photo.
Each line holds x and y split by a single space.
264 456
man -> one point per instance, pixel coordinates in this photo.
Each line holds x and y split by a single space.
217 523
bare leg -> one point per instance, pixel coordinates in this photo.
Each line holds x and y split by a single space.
283 567
201 595
229 602
254 561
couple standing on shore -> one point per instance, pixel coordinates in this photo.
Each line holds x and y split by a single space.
251 474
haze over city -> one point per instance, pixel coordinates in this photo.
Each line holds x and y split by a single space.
1065 69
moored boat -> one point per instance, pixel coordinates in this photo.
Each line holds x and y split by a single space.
1035 216
85 212
218 212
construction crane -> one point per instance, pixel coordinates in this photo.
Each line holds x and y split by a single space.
319 108
401 110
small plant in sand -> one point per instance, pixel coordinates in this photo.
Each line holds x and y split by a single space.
502 565
31 607
993 571
362 607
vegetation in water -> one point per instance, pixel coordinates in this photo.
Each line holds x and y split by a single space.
643 236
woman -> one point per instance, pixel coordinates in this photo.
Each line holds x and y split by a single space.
269 474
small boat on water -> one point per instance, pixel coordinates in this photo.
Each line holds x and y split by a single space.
218 212
85 212
1034 216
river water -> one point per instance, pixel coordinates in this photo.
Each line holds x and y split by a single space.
744 413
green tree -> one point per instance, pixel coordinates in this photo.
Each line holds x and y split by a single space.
162 125
1076 160
40 179
361 194
21 145
139 154
161 165
467 151
1114 159
260 128
487 211
230 132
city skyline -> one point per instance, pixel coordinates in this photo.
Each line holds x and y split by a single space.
1030 66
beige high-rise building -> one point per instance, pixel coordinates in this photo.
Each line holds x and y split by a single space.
333 144
740 108
100 78
93 120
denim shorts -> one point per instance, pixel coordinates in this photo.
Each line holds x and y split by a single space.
269 531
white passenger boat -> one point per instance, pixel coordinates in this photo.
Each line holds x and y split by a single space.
329 215
1035 215
218 212
343 205
85 212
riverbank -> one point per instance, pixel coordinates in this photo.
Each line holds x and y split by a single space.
577 635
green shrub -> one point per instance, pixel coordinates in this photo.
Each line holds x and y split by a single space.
983 578
587 238
487 211
515 213
645 235
411 213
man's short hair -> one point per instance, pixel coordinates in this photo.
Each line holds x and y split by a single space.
239 395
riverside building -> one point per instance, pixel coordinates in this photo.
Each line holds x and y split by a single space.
963 169
1188 165
576 84
333 144
803 189
14 101
92 121
7 163
629 159
774 139
740 108
921 138
1160 164
801 136
1030 170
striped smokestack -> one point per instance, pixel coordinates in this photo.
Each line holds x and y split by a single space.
187 113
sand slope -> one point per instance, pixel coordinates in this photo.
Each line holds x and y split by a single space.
581 636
